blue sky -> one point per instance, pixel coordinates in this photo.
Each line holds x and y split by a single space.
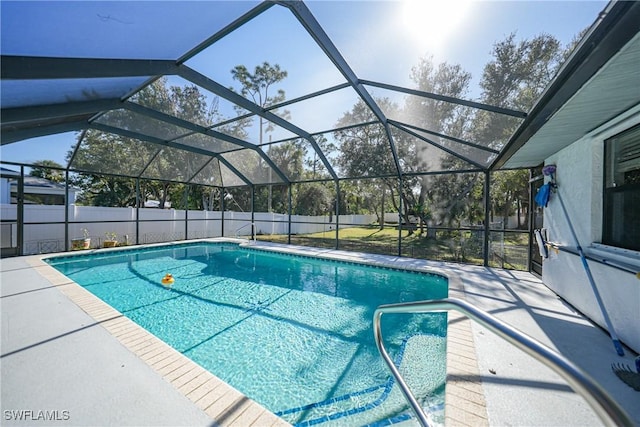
380 40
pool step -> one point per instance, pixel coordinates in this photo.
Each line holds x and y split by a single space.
384 404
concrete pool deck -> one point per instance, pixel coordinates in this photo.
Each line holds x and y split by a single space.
74 357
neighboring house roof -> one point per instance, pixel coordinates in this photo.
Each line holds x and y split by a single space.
599 82
34 181
34 184
10 172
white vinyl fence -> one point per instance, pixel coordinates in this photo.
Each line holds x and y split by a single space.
44 224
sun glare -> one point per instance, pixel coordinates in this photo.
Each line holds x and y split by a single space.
429 23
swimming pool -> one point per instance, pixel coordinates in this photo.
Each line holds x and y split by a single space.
293 333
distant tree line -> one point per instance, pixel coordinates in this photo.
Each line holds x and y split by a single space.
515 76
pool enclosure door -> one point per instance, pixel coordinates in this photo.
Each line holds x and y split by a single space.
11 218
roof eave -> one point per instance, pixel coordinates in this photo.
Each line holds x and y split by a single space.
617 24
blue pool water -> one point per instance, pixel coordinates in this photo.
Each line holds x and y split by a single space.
293 333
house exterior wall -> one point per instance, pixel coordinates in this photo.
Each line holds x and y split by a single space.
54 195
5 192
580 170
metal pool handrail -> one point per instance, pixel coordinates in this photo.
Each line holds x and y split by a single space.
607 409
253 230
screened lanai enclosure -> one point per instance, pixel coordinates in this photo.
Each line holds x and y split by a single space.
328 124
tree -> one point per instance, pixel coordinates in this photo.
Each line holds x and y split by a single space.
313 199
127 158
510 194
364 151
43 169
437 199
443 79
101 190
237 199
515 78
101 153
315 167
256 86
288 157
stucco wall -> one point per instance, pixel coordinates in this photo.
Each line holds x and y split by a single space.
580 184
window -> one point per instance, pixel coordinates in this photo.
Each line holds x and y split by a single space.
621 225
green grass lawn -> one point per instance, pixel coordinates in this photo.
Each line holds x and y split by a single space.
457 246
370 234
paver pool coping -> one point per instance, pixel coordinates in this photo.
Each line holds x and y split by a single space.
464 397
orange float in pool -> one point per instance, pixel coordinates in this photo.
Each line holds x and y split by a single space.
168 280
